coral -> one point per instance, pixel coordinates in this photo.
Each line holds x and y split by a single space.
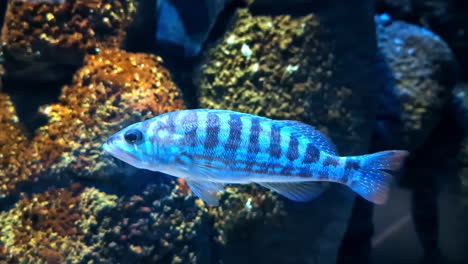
160 226
282 68
93 203
5 257
14 150
275 67
243 210
47 227
424 72
164 225
42 30
318 69
112 90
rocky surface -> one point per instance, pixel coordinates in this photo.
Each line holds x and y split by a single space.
112 90
52 227
301 68
318 68
446 18
424 70
49 38
461 111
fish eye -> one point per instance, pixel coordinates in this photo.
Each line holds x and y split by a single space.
133 136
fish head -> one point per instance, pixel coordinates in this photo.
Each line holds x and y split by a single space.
132 146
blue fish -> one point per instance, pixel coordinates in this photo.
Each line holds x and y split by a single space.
211 148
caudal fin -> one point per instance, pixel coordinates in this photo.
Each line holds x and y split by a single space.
372 181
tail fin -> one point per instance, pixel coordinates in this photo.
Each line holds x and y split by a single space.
371 181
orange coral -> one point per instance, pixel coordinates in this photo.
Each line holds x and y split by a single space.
112 90
51 226
55 211
5 256
79 25
51 256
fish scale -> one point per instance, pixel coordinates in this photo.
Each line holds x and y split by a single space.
233 150
210 148
283 148
233 147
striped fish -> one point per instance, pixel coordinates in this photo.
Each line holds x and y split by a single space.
210 148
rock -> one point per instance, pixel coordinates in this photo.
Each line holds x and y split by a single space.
286 67
12 144
460 105
46 41
446 18
52 227
112 90
425 73
460 101
186 26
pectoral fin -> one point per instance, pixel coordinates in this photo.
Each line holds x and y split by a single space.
297 191
206 190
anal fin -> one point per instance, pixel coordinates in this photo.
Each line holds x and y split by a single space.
297 191
206 190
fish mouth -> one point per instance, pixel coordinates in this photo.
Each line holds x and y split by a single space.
106 147
114 151
119 153
110 149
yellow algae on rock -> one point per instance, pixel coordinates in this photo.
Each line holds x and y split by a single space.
244 209
62 32
104 96
14 153
274 66
48 227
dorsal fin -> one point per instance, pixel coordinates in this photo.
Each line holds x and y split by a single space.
322 142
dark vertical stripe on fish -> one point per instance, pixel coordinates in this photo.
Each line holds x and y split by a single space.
255 131
330 161
312 154
293 149
170 122
212 131
275 141
190 126
352 164
235 130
